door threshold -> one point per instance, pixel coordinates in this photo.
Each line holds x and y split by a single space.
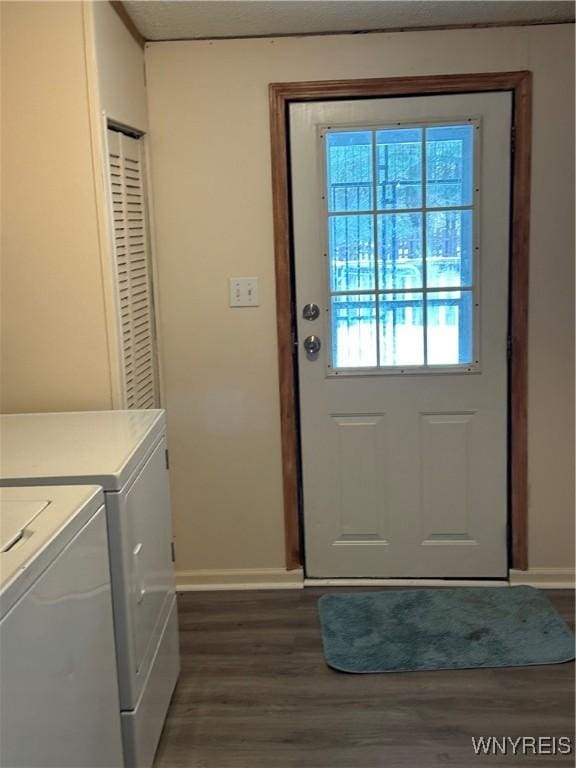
406 582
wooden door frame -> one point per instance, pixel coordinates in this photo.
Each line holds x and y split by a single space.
281 95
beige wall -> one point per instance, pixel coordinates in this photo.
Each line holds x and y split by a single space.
63 63
551 361
54 345
120 67
211 169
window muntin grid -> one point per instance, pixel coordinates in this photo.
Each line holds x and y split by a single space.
401 208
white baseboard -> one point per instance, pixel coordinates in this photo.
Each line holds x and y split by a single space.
405 583
279 578
240 578
544 578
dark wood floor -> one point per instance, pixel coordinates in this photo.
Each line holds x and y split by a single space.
255 693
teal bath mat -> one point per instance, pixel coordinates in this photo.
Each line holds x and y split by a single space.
425 629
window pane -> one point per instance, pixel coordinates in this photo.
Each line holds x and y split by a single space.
449 248
351 248
349 163
449 165
450 338
401 329
353 331
400 250
399 163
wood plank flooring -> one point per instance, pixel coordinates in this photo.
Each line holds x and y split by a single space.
255 692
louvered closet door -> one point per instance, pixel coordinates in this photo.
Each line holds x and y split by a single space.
133 272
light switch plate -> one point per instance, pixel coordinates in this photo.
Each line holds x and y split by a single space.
244 292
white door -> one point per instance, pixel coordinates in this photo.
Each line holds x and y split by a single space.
401 233
133 270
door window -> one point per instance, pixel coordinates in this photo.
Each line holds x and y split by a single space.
401 207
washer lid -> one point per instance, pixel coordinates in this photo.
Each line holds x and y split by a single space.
15 517
91 447
36 524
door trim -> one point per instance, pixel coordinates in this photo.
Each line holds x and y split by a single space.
280 97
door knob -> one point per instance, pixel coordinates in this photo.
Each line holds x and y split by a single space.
312 345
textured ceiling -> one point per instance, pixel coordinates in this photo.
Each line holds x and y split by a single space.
192 19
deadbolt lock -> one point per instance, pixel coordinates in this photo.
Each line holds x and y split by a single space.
311 312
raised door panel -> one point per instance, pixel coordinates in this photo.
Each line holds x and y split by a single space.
361 478
445 455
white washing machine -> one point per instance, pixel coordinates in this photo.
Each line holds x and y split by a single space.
125 453
58 681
